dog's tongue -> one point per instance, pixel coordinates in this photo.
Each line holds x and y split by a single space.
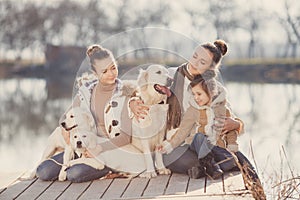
164 90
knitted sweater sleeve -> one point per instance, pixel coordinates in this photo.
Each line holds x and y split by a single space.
185 128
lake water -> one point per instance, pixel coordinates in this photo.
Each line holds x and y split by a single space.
30 109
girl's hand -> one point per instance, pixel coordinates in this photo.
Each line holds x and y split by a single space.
138 108
164 147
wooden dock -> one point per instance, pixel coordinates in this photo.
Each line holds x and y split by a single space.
174 186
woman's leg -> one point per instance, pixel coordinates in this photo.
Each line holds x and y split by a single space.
221 154
246 165
48 170
181 159
201 145
81 173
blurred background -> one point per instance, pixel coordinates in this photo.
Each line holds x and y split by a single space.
42 49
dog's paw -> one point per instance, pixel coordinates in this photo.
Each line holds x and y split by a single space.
28 176
32 175
100 166
62 175
164 171
148 174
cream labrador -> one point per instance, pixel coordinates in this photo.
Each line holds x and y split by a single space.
75 119
153 89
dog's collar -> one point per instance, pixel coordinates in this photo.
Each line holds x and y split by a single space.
68 129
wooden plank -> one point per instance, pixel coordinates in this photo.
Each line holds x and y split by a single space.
2 190
34 191
96 189
74 190
205 197
157 186
214 186
116 189
55 190
233 182
178 184
136 188
195 186
16 189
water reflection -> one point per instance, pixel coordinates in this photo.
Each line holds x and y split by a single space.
27 118
29 113
271 113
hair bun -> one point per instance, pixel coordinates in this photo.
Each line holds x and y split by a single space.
91 50
222 46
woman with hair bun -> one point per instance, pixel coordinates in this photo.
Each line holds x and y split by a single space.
204 62
95 91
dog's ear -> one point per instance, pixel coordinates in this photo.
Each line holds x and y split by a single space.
142 78
93 141
89 120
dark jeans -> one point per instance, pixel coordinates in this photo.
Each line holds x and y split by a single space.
181 159
49 171
185 157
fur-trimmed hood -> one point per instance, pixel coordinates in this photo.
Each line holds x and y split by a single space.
219 99
129 88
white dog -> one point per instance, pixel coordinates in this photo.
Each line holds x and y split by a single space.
149 132
127 159
75 119
80 141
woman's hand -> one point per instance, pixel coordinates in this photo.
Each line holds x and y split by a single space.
226 124
91 153
138 108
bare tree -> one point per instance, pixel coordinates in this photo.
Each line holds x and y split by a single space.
294 22
252 23
97 20
291 25
222 16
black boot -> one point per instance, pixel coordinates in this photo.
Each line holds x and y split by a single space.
211 167
196 172
217 171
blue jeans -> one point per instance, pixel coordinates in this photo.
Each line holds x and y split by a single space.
48 170
202 147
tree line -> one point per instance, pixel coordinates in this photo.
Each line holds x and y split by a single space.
30 25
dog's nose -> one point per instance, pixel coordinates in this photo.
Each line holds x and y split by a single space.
79 143
63 124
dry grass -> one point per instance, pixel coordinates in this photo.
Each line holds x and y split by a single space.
276 185
285 186
252 184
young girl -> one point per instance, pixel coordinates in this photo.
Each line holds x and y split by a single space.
204 105
214 106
